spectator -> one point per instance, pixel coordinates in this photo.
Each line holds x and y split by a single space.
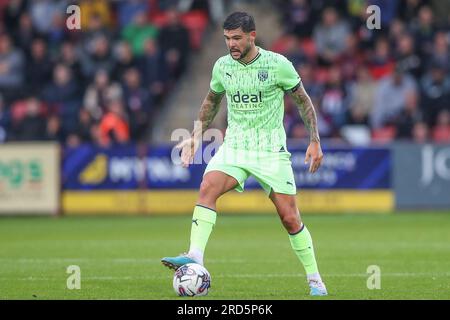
408 117
409 9
314 89
330 36
11 68
435 89
113 127
420 132
99 92
42 13
129 9
293 52
83 130
441 132
124 60
139 31
70 58
12 14
54 131
174 42
95 8
32 126
38 67
99 57
390 97
293 123
62 95
25 33
351 58
63 88
407 57
334 100
58 31
138 103
396 31
95 29
298 131
362 99
298 14
381 63
291 117
441 52
424 29
154 70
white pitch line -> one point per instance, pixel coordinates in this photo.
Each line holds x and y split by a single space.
260 276
157 261
114 260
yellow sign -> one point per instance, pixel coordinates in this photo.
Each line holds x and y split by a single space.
251 202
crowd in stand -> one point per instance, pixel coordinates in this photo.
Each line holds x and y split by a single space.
102 83
371 85
107 81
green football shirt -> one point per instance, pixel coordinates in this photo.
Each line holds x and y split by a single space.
255 99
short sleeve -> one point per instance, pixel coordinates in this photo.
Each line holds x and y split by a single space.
288 78
216 84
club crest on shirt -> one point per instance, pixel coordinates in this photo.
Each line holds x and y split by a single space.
262 75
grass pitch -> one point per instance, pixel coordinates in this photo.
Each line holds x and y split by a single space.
249 257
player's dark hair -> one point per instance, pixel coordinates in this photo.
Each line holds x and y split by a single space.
240 20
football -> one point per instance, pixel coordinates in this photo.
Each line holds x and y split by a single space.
191 280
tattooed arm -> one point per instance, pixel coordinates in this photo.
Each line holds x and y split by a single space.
307 112
309 117
208 110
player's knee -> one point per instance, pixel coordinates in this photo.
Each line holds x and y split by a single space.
291 221
208 190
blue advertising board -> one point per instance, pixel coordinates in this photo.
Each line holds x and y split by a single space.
89 167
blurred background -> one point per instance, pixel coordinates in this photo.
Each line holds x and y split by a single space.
87 115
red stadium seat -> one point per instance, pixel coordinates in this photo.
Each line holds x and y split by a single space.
384 134
441 134
196 22
3 5
19 110
379 72
159 19
308 47
321 75
280 44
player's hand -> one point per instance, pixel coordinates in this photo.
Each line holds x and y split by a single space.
314 156
188 148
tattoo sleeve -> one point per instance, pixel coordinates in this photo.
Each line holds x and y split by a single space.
307 112
208 110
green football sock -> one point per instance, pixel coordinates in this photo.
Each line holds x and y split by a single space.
203 221
302 244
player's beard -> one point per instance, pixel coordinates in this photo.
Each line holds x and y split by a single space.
243 54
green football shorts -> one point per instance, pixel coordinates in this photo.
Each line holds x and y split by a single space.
272 170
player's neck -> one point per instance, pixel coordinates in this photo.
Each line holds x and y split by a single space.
250 55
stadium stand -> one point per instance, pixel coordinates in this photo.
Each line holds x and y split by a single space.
379 79
60 84
102 84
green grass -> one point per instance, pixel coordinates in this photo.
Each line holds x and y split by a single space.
249 257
